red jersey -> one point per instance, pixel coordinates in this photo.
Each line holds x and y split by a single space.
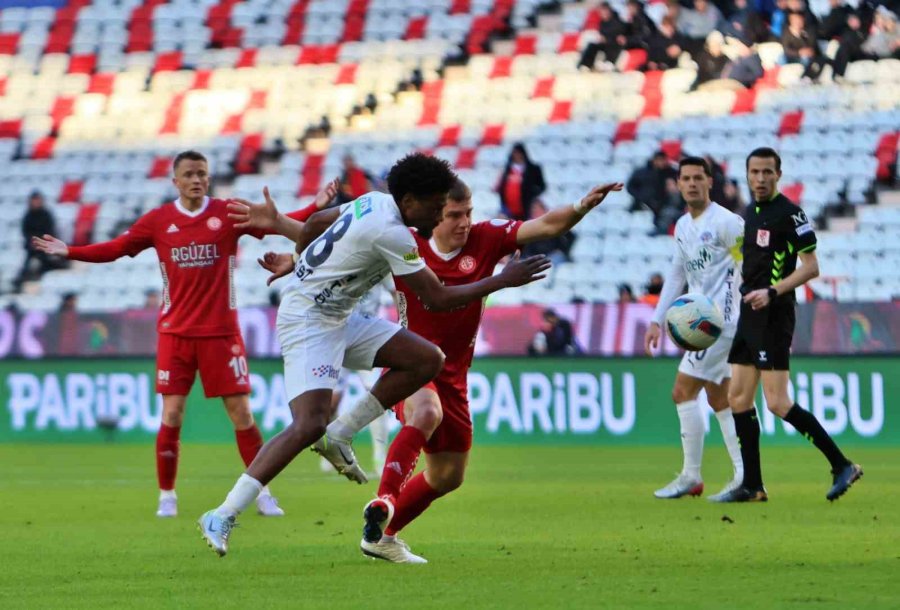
197 257
454 331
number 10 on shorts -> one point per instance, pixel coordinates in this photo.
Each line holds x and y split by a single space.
238 364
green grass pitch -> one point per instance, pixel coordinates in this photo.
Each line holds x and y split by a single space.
532 527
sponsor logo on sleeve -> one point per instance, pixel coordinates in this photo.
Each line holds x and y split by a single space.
804 229
411 256
762 238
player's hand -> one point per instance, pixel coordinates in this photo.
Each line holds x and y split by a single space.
50 245
520 271
249 215
651 338
598 194
758 299
279 265
327 194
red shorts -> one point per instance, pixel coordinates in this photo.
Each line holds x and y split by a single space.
222 362
455 430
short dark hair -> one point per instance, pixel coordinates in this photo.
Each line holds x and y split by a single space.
764 152
696 161
421 176
460 191
187 155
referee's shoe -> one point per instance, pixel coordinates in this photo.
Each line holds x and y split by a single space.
742 494
843 479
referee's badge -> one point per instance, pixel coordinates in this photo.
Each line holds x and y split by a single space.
762 238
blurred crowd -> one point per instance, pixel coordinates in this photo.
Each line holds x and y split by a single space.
721 39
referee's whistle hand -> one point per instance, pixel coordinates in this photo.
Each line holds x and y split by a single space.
757 299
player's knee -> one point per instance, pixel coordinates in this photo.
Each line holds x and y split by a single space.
427 417
779 406
738 400
450 480
431 363
679 395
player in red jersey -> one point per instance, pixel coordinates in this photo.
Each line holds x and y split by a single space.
198 325
436 418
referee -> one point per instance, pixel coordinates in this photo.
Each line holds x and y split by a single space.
776 234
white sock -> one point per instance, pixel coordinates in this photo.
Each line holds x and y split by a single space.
692 431
240 497
379 431
265 491
165 494
726 422
361 415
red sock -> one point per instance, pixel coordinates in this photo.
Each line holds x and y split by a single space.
401 460
167 456
249 442
416 496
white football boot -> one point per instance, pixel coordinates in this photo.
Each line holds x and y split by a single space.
341 456
683 485
168 507
216 531
395 551
267 505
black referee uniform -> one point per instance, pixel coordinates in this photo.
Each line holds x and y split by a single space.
775 232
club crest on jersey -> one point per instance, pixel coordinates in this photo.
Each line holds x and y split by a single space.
466 264
762 238
214 224
236 349
706 237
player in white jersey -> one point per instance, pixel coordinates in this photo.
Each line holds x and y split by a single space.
344 252
708 258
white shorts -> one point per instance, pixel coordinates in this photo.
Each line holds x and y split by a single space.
315 349
711 364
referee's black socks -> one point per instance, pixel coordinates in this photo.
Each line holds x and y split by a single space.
746 425
807 425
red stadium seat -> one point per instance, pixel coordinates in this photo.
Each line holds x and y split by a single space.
526 44
160 167
466 158
626 131
82 64
248 154
790 123
233 125
449 136
561 112
592 20
9 43
71 192
247 59
201 79
62 107
168 62
431 102
43 148
794 192
11 129
460 7
744 102
493 135
631 59
416 28
102 83
569 42
172 120
502 67
543 87
346 75
672 148
84 223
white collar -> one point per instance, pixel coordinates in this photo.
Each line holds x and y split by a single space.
438 253
196 212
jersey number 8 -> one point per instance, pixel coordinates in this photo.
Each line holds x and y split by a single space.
327 240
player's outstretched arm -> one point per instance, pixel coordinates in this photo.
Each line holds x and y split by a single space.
134 240
50 245
435 296
559 221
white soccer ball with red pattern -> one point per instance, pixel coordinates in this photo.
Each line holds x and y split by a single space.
694 322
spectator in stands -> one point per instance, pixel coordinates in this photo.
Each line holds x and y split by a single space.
745 24
69 302
747 68
611 41
521 182
800 6
275 298
779 18
37 222
665 46
800 46
556 249
711 61
555 337
885 38
151 300
654 289
640 28
698 23
837 21
732 199
626 294
355 181
652 186
851 45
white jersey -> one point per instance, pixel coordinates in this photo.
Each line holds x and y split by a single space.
366 243
707 256
370 304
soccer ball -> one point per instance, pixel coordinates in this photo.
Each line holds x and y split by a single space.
694 322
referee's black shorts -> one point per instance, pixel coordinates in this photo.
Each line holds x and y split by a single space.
763 338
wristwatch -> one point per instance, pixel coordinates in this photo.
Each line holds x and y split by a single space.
772 293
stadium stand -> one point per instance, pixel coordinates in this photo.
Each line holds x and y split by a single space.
98 97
